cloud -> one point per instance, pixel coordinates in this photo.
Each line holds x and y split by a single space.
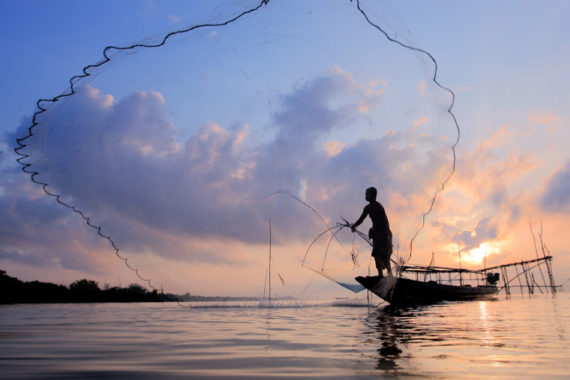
124 163
332 148
556 193
488 172
542 118
36 231
204 199
489 200
420 121
422 88
469 239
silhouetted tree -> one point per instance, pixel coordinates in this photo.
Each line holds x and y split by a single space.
12 288
85 291
136 289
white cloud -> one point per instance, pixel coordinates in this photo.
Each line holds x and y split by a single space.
121 162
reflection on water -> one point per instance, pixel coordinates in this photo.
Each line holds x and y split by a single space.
390 333
521 337
390 330
517 338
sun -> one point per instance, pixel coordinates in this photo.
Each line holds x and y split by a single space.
479 254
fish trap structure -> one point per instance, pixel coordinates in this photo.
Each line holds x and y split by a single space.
529 276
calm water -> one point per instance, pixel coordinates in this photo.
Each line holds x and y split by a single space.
517 338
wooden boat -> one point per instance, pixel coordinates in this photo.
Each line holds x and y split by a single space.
435 284
404 291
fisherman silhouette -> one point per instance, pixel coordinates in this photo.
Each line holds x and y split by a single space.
379 233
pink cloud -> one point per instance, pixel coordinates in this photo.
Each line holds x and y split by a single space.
332 148
542 118
422 88
420 121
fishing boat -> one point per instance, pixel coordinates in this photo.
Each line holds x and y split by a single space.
417 285
404 291
437 284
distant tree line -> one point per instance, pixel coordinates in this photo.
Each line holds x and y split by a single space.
13 290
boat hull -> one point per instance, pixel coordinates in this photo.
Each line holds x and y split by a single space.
403 291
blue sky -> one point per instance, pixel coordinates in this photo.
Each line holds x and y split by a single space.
175 150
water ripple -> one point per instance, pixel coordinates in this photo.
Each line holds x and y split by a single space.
517 338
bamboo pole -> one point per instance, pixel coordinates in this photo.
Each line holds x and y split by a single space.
548 262
519 278
536 251
528 282
506 281
269 280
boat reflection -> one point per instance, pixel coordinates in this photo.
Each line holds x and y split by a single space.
407 340
389 330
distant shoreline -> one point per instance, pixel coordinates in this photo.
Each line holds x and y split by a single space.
15 291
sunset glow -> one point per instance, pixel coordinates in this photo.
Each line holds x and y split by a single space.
480 254
183 153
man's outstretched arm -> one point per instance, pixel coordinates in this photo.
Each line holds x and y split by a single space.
360 220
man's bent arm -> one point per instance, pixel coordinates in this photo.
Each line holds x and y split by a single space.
360 220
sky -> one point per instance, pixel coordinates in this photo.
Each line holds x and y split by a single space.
186 153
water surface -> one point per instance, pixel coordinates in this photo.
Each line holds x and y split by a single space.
521 337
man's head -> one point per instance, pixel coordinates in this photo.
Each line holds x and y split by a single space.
371 193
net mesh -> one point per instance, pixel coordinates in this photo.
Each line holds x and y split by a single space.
180 148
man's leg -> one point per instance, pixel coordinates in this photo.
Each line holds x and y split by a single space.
377 259
386 262
379 265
